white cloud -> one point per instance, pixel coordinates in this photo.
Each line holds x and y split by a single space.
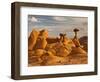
59 18
80 20
34 19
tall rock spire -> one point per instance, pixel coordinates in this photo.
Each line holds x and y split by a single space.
75 31
75 39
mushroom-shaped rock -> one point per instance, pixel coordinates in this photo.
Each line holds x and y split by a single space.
75 39
76 30
62 37
66 41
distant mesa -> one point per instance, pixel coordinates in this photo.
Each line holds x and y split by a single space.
84 41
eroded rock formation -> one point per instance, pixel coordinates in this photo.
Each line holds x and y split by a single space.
43 50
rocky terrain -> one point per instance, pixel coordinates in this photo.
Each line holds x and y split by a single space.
83 41
44 50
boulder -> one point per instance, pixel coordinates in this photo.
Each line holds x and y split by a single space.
39 52
50 59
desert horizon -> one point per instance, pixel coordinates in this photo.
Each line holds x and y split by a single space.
56 40
58 24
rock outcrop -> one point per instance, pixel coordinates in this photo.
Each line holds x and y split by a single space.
32 39
43 50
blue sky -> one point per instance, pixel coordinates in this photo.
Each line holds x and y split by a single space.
58 24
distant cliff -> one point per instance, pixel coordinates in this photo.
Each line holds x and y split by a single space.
84 41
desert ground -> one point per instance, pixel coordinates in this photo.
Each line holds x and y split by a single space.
61 50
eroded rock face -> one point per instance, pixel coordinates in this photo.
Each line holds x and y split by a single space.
76 42
78 51
32 39
34 57
43 50
41 43
61 50
34 61
44 33
37 52
50 59
41 40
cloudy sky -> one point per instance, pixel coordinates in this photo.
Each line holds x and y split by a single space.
58 24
